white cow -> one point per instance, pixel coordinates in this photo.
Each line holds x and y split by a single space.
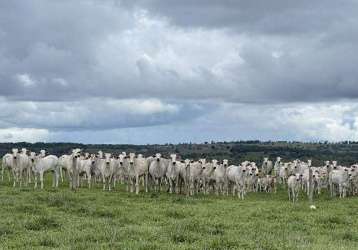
7 163
107 168
293 184
184 176
85 166
339 178
267 166
44 164
207 174
27 165
252 177
172 173
236 179
353 179
283 173
277 166
142 169
157 170
137 168
122 169
68 162
219 176
195 171
19 166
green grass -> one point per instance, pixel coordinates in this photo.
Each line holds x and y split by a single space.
93 219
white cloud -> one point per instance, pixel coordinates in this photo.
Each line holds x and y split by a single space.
26 80
23 134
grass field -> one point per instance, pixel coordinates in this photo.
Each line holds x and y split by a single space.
93 219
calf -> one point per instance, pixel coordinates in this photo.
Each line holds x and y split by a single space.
293 184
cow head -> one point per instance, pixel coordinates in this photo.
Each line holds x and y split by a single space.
107 158
265 160
158 156
173 158
131 158
202 161
15 151
187 163
225 163
93 159
32 157
121 158
215 163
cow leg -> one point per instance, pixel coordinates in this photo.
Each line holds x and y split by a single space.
104 182
2 172
170 185
35 181
89 179
146 182
61 174
57 177
137 184
42 179
15 178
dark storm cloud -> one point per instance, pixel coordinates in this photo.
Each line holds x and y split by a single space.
278 17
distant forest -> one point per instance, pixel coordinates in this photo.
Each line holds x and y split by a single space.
343 152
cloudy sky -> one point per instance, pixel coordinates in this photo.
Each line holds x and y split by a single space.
157 71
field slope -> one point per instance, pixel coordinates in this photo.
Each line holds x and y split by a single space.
93 219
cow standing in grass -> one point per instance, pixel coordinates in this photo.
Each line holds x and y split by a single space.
44 164
266 166
157 170
7 163
236 179
293 184
172 173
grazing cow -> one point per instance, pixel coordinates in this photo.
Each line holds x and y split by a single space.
44 164
157 170
266 166
236 178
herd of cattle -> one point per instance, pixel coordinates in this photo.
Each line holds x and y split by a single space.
175 176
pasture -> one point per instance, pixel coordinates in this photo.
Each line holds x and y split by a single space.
94 219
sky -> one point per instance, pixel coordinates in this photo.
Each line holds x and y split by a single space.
168 71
